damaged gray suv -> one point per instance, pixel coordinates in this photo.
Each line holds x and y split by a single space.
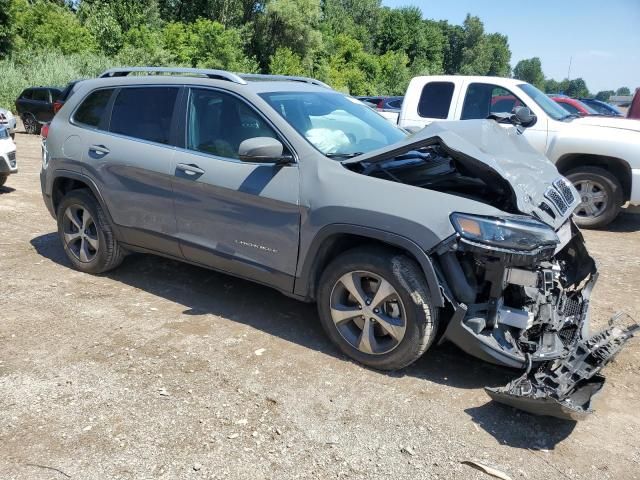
461 232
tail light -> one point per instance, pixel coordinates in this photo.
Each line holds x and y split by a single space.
44 131
2 116
57 105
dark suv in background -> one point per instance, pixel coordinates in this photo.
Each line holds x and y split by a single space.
35 107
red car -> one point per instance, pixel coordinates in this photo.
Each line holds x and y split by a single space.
572 105
634 108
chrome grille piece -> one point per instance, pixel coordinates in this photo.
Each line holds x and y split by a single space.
564 187
556 199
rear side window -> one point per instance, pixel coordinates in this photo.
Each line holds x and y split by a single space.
93 108
144 113
40 95
435 100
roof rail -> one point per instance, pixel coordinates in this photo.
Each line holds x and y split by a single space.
214 74
264 77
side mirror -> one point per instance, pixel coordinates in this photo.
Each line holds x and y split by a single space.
524 117
263 150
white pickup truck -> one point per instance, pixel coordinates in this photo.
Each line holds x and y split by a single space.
600 155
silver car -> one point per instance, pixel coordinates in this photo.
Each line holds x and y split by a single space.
461 232
8 120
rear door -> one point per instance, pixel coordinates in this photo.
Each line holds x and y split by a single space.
40 105
238 217
129 155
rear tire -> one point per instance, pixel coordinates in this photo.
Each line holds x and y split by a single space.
601 196
86 234
30 124
397 325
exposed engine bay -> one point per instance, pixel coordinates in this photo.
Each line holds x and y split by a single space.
519 285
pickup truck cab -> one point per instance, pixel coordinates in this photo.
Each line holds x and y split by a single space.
600 155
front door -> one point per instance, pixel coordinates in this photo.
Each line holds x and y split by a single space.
238 217
483 99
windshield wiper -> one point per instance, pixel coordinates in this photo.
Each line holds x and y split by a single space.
343 155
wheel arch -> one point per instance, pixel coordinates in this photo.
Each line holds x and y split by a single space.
65 181
616 166
333 240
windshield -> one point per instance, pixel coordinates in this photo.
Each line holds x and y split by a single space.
337 125
549 106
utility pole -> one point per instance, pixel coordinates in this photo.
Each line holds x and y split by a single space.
569 72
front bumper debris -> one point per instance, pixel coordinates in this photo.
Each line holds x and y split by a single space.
564 388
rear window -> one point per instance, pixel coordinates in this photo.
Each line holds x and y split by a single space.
435 100
93 108
144 113
40 95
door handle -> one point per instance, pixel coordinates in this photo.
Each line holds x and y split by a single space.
189 169
99 149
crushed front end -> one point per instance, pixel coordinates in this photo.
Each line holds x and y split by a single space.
529 309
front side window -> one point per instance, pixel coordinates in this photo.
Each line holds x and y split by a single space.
435 100
484 99
93 108
144 113
218 123
333 123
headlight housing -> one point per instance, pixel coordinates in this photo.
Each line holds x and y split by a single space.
510 233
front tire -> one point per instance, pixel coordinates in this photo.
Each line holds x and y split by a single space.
86 235
376 307
601 196
3 179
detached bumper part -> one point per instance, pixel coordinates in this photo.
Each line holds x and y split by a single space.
564 388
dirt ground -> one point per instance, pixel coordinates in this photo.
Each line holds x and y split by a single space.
164 370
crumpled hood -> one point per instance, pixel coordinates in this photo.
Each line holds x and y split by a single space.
608 122
539 189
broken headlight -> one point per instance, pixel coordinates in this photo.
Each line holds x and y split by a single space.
515 233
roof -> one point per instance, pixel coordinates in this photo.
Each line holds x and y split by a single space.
474 78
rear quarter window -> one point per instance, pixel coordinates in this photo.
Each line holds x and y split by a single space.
435 100
93 108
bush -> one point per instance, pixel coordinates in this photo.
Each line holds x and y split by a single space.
29 68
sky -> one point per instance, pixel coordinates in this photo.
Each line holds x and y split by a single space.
601 37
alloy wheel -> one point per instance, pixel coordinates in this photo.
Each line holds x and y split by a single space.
593 198
80 233
368 312
30 124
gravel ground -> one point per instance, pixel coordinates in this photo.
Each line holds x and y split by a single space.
164 370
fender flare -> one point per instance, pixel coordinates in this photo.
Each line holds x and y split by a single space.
305 281
62 173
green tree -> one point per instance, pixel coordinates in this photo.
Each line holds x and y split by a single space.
623 91
453 47
604 95
577 88
288 23
530 70
285 62
356 18
46 25
6 28
500 55
394 73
